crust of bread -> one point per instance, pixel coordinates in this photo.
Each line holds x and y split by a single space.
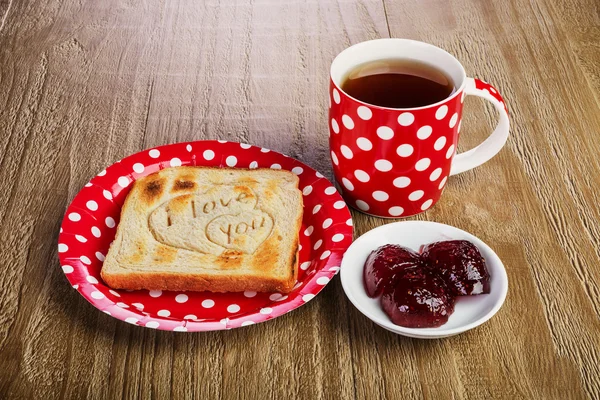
159 266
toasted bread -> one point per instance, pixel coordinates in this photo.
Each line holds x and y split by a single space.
215 229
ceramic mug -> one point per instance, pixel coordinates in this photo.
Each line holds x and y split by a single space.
393 162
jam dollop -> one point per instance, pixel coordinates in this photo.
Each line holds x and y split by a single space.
460 264
419 299
384 264
420 290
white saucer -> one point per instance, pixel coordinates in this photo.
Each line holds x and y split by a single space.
469 311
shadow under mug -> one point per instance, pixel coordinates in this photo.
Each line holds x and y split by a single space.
392 162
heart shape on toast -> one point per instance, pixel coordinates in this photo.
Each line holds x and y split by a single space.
224 217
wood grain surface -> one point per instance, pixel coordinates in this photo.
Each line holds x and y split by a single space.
85 83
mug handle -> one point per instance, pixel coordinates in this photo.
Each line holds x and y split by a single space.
491 146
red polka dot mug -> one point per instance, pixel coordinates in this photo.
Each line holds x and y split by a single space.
393 162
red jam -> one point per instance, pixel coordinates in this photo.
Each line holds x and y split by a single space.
384 264
418 300
460 265
419 290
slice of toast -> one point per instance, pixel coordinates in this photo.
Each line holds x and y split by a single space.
216 229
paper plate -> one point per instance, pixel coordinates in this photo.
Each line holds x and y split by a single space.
89 226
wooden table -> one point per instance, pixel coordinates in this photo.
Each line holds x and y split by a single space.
83 84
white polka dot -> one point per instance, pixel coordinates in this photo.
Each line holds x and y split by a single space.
97 295
459 125
422 164
330 190
181 298
346 152
88 185
304 266
426 205
335 126
122 305
263 150
318 175
450 151
349 222
440 143
335 269
67 269
325 254
138 167
405 150
327 223
253 165
188 148
80 238
362 205
338 205
62 247
180 329
396 211
308 297
364 113
347 184
316 209
155 293
318 244
385 132
85 260
435 174
442 182
380 195
175 162
154 153
231 161
441 112
383 165
308 231
249 293
334 158
208 154
485 90
347 121
338 237
224 321
123 181
336 96
139 306
362 175
75 287
401 182
110 222
222 141
102 173
453 120
92 205
233 308
416 195
208 303
107 194
424 132
275 166
307 190
323 280
245 146
114 293
100 256
297 170
364 144
163 313
190 316
131 320
152 324
266 310
492 90
248 323
74 217
406 119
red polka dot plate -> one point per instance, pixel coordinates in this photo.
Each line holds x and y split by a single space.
89 226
